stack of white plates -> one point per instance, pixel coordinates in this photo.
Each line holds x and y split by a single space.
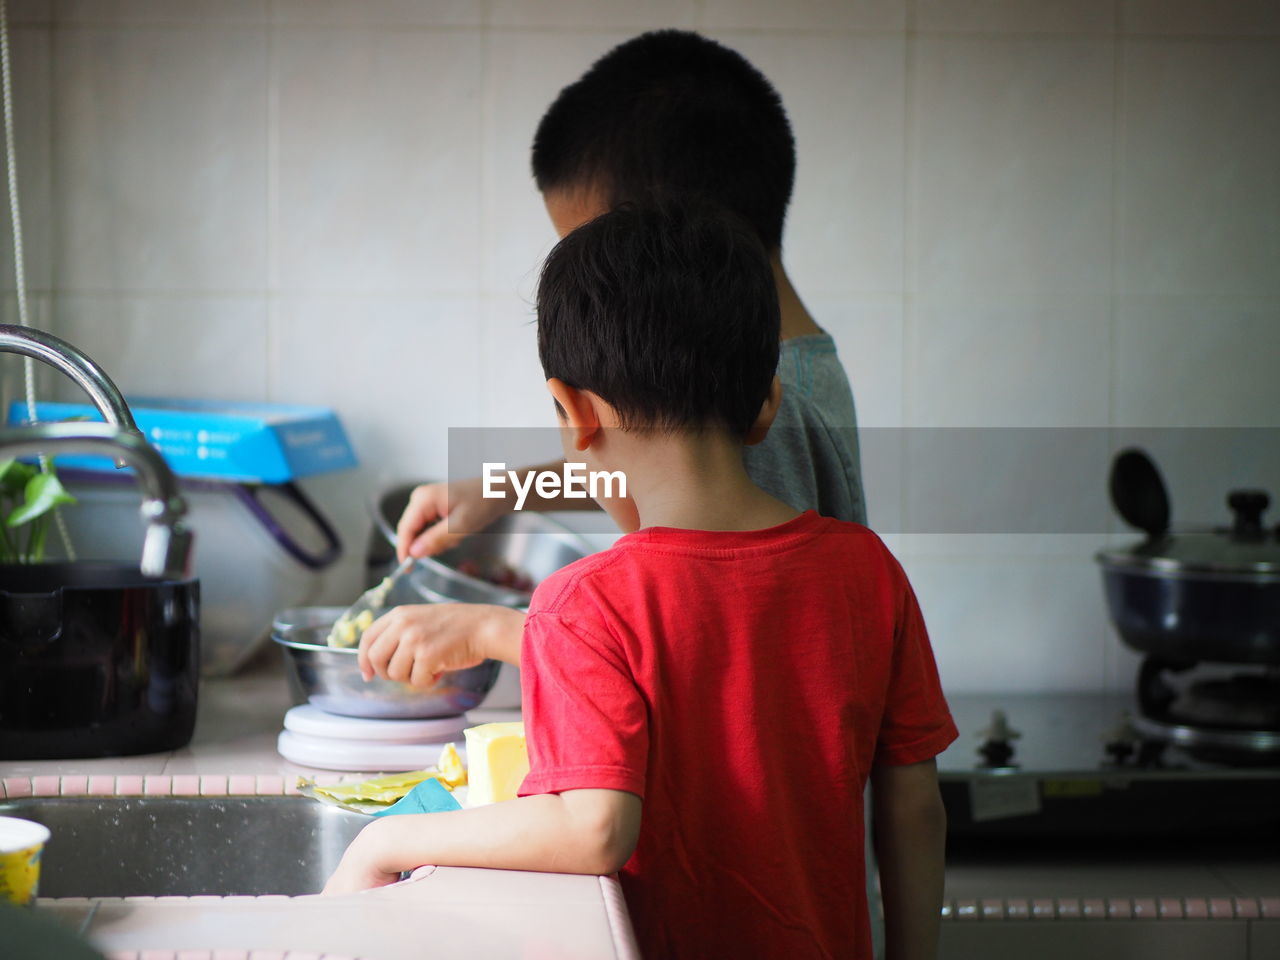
314 738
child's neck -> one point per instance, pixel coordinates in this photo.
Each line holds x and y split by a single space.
697 482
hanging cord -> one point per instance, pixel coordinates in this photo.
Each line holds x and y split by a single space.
19 264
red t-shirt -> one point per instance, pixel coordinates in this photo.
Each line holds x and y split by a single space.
742 684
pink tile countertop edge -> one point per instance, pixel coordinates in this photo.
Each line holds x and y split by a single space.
1113 908
222 955
162 785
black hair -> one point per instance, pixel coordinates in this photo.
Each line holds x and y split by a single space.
666 311
670 113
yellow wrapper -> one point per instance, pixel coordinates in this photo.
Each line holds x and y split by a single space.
21 844
386 789
452 772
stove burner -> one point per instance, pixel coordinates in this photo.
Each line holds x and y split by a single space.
1239 747
1232 719
1242 702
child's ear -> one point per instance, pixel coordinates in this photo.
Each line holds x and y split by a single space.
768 410
576 411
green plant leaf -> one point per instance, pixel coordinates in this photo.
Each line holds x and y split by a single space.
43 492
14 476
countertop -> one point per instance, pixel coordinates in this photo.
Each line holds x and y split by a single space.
237 721
1237 891
440 911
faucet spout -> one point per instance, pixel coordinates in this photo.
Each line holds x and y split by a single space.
75 364
166 549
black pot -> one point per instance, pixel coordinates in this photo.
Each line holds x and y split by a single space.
1187 617
1211 595
96 660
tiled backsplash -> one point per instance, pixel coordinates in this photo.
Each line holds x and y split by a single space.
1014 213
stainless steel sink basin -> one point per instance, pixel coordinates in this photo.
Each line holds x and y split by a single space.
186 846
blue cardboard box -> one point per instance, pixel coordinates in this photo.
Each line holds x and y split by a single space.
240 442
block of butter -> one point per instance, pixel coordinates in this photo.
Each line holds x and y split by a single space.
496 762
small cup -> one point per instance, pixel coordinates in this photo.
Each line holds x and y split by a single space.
21 844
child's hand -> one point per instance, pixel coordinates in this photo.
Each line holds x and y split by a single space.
360 867
440 515
416 643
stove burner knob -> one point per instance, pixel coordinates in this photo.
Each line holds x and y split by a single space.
997 743
1248 507
1120 751
1121 741
1151 754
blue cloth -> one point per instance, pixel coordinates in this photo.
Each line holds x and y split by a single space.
430 796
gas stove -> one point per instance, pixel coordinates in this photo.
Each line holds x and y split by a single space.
1091 766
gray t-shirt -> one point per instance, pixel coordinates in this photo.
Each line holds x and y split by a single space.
809 460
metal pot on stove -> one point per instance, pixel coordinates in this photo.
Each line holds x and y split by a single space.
1200 595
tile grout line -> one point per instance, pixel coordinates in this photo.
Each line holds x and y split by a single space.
484 196
908 248
272 120
55 195
1110 661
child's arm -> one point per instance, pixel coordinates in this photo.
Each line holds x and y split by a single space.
910 836
578 831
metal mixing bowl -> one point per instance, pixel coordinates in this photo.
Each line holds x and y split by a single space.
329 677
530 543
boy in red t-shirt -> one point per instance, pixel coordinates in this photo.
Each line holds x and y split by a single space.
706 700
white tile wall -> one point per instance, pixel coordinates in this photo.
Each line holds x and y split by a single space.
30 11
845 224
819 16
1010 623
1200 186
31 61
1034 214
1015 16
1197 361
378 158
991 361
159 11
369 13
1241 18
512 390
592 14
158 171
524 72
1011 170
867 329
400 371
160 345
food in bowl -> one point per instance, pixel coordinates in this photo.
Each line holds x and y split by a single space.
496 571
347 632
329 677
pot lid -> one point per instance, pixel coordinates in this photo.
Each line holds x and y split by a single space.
1246 549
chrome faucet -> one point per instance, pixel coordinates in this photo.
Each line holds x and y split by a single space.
75 364
166 548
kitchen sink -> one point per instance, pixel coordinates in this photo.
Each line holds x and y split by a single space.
186 846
